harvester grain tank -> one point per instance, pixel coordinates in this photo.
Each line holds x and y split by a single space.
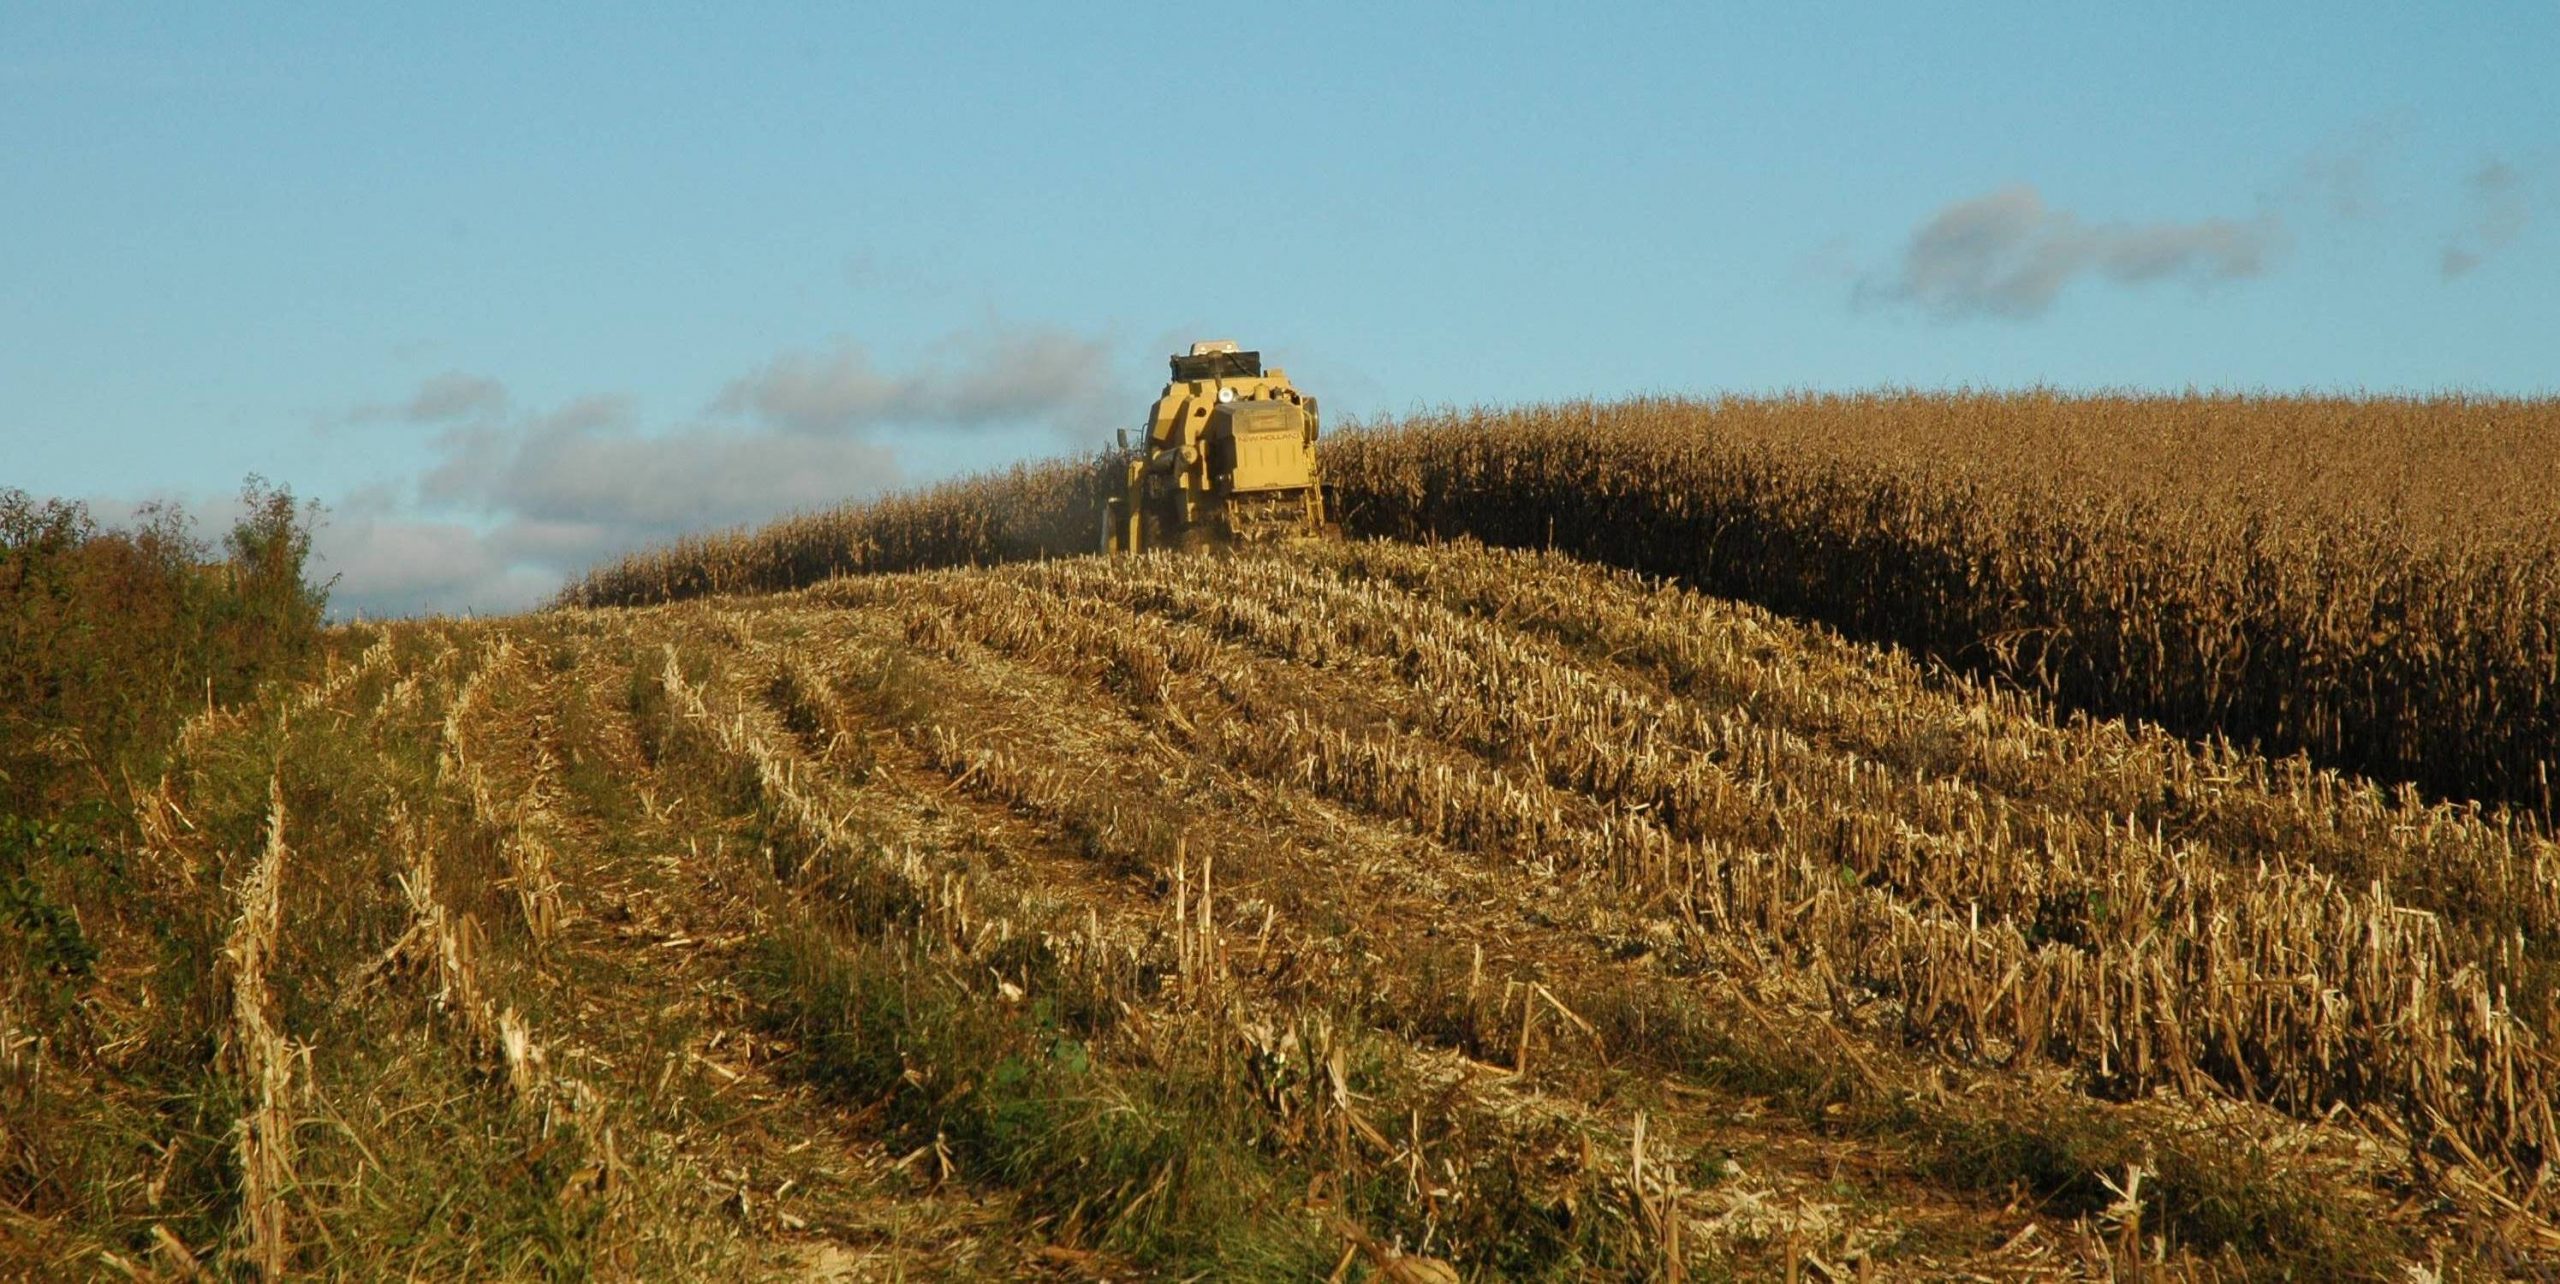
1229 456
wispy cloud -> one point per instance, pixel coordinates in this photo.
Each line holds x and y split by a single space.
2496 212
390 564
2342 178
519 500
993 375
2009 254
588 466
446 398
514 509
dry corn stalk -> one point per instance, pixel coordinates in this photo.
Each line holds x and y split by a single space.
522 824
256 1053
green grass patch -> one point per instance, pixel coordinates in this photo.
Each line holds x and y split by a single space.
1158 1163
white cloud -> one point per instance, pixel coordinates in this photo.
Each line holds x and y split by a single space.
2009 254
575 473
517 503
396 566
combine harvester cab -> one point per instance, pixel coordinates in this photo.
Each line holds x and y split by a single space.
1229 457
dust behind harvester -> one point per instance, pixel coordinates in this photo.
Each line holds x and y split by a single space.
1229 457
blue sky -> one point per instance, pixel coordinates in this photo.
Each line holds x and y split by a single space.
512 289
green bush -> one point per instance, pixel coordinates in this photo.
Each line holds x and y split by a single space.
109 639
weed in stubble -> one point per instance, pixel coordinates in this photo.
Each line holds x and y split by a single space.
1146 1162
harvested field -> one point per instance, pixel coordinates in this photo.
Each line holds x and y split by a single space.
1368 909
2372 581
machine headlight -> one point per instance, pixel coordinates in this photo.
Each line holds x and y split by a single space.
1226 395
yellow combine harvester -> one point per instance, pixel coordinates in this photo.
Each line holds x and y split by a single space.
1229 457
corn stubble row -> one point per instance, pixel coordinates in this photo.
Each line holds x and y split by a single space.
2369 580
972 913
1985 899
256 1054
1283 980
